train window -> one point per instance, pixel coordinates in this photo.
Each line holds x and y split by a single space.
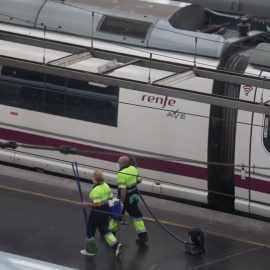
81 100
22 96
92 110
92 102
55 82
33 98
266 133
18 75
76 107
92 89
55 103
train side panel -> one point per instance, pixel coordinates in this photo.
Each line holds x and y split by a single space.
242 147
242 150
249 154
172 132
260 159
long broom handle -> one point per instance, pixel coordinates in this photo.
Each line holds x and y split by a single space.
77 178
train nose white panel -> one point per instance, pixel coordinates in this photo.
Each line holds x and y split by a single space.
260 209
174 191
7 156
241 205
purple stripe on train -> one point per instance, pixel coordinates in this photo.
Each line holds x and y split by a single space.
108 155
146 163
252 184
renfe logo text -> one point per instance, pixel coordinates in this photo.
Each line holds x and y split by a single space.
159 100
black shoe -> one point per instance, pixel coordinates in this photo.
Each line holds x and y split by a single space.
142 241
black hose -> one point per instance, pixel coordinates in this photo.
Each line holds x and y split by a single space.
161 225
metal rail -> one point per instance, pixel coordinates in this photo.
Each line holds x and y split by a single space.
139 86
160 87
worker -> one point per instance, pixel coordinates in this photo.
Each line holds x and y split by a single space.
99 197
127 180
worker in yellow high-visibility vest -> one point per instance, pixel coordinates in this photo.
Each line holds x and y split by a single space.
127 180
99 197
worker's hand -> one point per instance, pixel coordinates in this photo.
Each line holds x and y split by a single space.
84 204
122 207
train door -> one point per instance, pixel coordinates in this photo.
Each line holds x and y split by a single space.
260 157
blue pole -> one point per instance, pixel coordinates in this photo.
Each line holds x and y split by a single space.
77 178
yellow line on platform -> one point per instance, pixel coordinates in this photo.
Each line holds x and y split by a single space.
39 195
145 218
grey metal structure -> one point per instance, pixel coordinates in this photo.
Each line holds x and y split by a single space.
128 23
161 86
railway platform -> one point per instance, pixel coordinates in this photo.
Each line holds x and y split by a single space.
41 218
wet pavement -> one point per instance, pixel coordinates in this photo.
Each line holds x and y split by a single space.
41 218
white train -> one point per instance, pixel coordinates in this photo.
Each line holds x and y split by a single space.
185 149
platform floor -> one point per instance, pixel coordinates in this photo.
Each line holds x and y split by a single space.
41 218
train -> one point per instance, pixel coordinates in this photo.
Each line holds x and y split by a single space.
191 150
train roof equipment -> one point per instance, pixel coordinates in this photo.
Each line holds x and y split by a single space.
137 23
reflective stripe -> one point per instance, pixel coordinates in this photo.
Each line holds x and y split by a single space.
121 183
113 243
131 190
108 234
137 219
131 185
95 198
104 202
141 231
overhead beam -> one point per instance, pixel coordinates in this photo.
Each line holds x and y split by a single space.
176 78
140 86
228 77
71 59
125 59
96 53
143 61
